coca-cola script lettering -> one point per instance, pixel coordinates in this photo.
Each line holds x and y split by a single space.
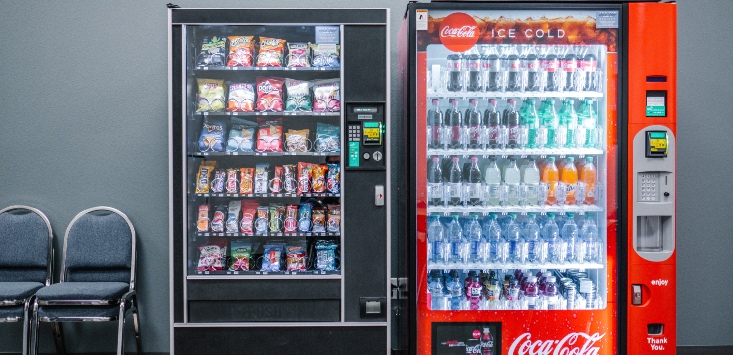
459 32
578 343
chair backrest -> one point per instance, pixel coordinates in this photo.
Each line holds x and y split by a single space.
26 245
99 246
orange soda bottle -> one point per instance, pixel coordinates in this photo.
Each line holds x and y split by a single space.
589 177
550 177
569 177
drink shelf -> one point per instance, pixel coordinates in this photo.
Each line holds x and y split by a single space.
518 209
269 234
507 266
324 194
264 275
224 68
268 154
268 113
510 94
517 151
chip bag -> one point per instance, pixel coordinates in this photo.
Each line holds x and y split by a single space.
319 220
295 256
232 223
299 96
241 255
246 181
241 136
202 225
249 213
334 219
326 55
298 55
241 51
304 178
211 95
204 175
269 136
297 140
304 217
213 252
326 255
241 98
262 220
271 258
326 94
318 178
212 135
212 51
333 181
271 52
270 94
327 138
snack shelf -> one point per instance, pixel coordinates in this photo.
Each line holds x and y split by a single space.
510 94
268 113
517 151
279 234
241 68
518 209
283 195
508 266
268 154
266 275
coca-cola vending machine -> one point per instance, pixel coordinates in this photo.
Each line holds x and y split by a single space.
539 178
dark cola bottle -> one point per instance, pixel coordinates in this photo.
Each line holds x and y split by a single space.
455 72
589 65
512 125
473 119
492 119
570 66
487 343
532 66
473 65
551 65
435 124
492 66
455 121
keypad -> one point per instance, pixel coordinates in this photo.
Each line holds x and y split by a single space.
354 133
648 189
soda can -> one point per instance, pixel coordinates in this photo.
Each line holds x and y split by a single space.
570 295
587 289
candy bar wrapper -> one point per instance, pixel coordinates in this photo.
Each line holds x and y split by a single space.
326 55
211 95
276 184
334 219
304 178
212 135
217 183
262 219
270 94
241 97
297 140
298 55
231 183
217 223
261 178
246 181
241 255
212 51
299 96
213 252
290 181
271 52
304 217
271 257
318 177
270 135
333 182
202 225
204 175
319 220
233 216
241 135
327 138
277 213
326 96
241 51
291 218
249 214
296 255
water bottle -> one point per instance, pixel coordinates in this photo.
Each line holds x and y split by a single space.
472 231
555 250
455 238
492 233
593 248
570 236
454 290
536 246
435 183
436 242
512 236
436 290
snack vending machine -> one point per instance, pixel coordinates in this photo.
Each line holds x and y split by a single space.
278 164
540 178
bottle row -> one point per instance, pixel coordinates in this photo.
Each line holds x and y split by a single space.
537 241
522 290
300 179
524 128
245 51
500 68
249 217
250 257
449 184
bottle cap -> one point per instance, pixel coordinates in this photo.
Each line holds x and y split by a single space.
551 158
551 215
436 101
512 215
532 215
454 159
436 215
436 158
474 159
474 216
492 101
474 278
570 214
473 101
507 277
453 101
512 102
589 158
514 282
532 279
551 279
589 215
571 159
547 274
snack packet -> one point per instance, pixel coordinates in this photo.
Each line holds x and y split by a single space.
241 97
290 182
217 223
241 136
217 183
231 183
261 178
269 136
327 138
262 220
299 96
298 55
271 257
297 140
295 256
326 94
202 181
202 225
249 212
271 52
326 255
277 213
319 220
212 135
212 51
211 95
304 178
326 55
304 217
318 178
270 94
213 252
246 181
334 219
241 51
233 216
291 218
276 183
333 181
241 255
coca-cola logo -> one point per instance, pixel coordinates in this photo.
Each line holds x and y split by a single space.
476 334
459 32
578 343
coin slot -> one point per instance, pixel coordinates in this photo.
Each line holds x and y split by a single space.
655 329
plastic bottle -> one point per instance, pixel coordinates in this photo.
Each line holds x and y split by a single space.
514 76
492 176
455 72
492 233
550 177
531 179
473 293
487 343
472 231
492 120
454 290
435 123
513 294
588 67
493 66
455 238
435 183
467 280
454 183
511 179
532 67
473 65
512 236
588 122
570 235
552 294
473 182
436 241
531 292
550 122
536 248
512 125
589 177
592 246
437 291
473 119
570 66
556 253
455 121
569 120
569 177
532 124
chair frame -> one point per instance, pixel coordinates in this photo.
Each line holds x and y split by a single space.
129 297
27 302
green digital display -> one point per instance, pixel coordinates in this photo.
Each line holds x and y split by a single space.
661 135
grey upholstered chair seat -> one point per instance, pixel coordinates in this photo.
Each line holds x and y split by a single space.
83 291
52 312
11 312
13 291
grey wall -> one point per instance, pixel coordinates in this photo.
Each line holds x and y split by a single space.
83 92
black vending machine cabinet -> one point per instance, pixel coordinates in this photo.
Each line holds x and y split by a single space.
278 146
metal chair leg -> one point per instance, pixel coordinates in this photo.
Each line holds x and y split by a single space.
136 322
120 329
26 324
58 338
34 328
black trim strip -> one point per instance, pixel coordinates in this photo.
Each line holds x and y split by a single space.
176 128
274 16
705 350
411 192
622 184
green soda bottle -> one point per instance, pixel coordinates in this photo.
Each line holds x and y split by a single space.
569 120
588 121
532 123
550 122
